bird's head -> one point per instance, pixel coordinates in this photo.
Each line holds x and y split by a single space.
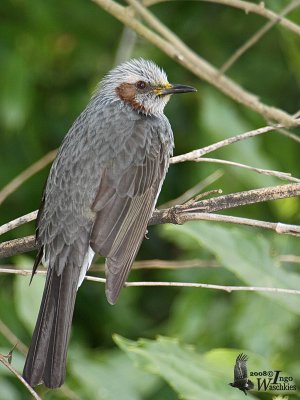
140 84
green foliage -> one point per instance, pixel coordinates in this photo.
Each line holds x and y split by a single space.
52 55
191 374
247 256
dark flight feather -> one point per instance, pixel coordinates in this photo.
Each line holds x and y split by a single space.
241 380
46 358
121 221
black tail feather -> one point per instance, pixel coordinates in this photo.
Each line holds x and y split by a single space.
46 358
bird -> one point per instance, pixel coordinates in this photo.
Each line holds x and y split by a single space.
241 380
99 196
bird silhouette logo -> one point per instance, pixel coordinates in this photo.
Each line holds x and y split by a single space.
241 380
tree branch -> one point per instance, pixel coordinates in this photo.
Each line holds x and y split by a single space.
173 284
195 154
172 215
18 222
17 246
12 338
5 362
26 174
257 36
278 174
192 192
248 7
177 50
183 213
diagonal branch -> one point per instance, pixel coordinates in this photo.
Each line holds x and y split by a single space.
282 175
195 154
248 7
7 364
178 51
18 222
26 174
257 36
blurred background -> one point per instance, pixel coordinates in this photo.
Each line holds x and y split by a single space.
52 55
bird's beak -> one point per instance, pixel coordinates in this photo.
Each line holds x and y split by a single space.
172 88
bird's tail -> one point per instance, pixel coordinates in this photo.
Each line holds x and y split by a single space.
46 358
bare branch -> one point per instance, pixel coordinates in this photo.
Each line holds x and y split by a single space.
183 213
145 264
257 36
291 258
26 174
17 246
175 284
195 154
202 285
17 222
194 190
15 341
288 134
282 175
248 7
181 264
6 363
225 202
177 50
278 227
12 338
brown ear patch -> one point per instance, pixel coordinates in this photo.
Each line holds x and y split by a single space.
127 93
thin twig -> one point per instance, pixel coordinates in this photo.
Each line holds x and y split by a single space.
202 285
9 226
19 376
194 190
177 284
181 264
26 174
185 56
195 154
278 227
12 338
15 341
246 6
291 258
257 36
288 134
282 175
146 264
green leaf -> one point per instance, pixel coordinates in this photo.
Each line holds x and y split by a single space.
247 255
190 374
110 376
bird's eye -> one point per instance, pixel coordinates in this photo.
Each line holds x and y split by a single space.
141 85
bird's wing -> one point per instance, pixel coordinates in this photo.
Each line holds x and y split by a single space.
126 197
240 368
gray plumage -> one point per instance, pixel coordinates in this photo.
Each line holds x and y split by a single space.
100 193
